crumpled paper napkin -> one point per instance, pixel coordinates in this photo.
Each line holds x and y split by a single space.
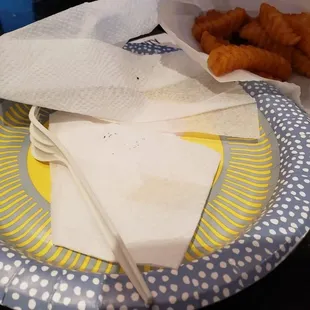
72 61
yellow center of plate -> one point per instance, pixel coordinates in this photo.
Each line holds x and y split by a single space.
40 177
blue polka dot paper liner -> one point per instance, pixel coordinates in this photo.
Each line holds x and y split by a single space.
26 283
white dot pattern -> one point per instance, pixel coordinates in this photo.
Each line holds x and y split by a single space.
148 48
29 284
38 288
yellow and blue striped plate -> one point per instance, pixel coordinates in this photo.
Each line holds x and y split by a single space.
242 188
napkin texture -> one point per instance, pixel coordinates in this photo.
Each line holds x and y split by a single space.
72 62
241 122
238 121
153 186
93 78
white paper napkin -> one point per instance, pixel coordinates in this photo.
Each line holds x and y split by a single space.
68 62
177 18
153 186
94 78
239 121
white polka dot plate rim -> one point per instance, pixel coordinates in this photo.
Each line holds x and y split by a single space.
28 284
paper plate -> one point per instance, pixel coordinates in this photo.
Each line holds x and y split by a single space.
257 212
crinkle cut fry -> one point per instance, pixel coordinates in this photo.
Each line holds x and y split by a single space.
197 31
276 25
209 15
304 18
223 26
225 59
301 63
304 45
255 34
302 28
227 23
209 42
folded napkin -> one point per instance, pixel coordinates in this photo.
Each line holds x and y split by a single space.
72 61
153 186
241 122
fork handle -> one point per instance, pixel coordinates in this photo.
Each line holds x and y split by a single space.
111 235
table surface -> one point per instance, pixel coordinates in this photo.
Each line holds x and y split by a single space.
287 287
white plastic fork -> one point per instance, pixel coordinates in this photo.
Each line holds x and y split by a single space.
46 147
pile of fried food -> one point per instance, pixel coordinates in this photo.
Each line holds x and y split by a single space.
270 45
